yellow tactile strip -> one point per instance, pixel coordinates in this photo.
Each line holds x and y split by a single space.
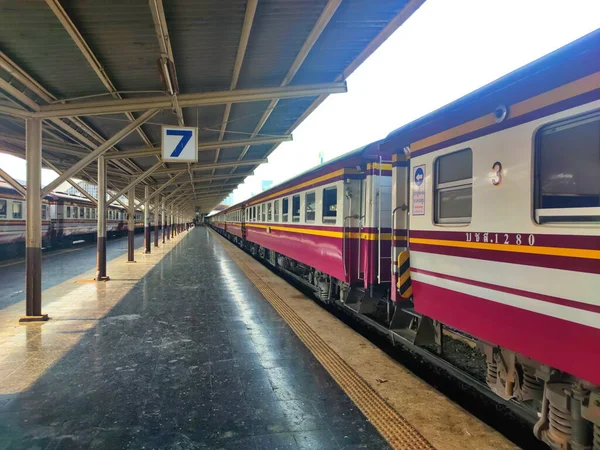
395 429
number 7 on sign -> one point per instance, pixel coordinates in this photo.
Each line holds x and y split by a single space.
186 135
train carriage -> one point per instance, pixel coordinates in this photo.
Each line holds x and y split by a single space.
65 219
481 218
504 227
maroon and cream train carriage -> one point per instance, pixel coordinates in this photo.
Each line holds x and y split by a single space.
494 204
326 226
502 196
65 219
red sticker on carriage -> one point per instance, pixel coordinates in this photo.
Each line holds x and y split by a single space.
418 192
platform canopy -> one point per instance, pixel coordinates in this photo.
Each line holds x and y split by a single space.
104 76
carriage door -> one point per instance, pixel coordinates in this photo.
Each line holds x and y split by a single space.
375 233
382 219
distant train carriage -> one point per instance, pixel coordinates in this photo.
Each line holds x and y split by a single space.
65 219
482 218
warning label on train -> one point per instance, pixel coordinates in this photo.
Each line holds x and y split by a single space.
418 195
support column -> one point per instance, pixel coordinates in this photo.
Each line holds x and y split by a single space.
131 226
147 236
101 238
156 216
164 221
170 219
172 222
33 255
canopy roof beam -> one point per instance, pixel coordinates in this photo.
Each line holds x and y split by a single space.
73 170
71 182
237 66
135 181
14 183
198 167
68 25
167 61
22 77
315 33
91 108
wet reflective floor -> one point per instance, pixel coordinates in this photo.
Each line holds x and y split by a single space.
192 356
57 267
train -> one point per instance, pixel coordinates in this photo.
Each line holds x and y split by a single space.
480 220
65 219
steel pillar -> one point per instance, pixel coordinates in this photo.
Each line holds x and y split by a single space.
147 236
33 258
172 221
131 226
164 221
101 238
156 216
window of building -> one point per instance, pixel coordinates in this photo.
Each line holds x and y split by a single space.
269 212
454 187
296 208
3 209
284 209
567 180
44 212
17 210
276 211
263 213
309 208
68 212
329 205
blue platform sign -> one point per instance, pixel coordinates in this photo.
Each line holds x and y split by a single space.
179 144
418 191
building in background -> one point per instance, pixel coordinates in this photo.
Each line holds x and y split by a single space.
266 184
90 188
229 200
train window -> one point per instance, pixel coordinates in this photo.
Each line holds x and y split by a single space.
309 202
263 215
17 210
284 209
93 213
87 213
329 205
296 208
454 187
567 185
68 212
269 212
44 212
81 213
276 211
3 209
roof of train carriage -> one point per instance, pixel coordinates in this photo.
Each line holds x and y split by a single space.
576 60
369 151
72 52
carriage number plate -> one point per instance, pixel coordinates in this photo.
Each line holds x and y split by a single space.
501 238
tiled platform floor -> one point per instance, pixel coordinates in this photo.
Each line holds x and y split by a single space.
192 356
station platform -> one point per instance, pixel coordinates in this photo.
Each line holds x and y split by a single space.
197 345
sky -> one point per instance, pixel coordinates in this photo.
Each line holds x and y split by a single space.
447 49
